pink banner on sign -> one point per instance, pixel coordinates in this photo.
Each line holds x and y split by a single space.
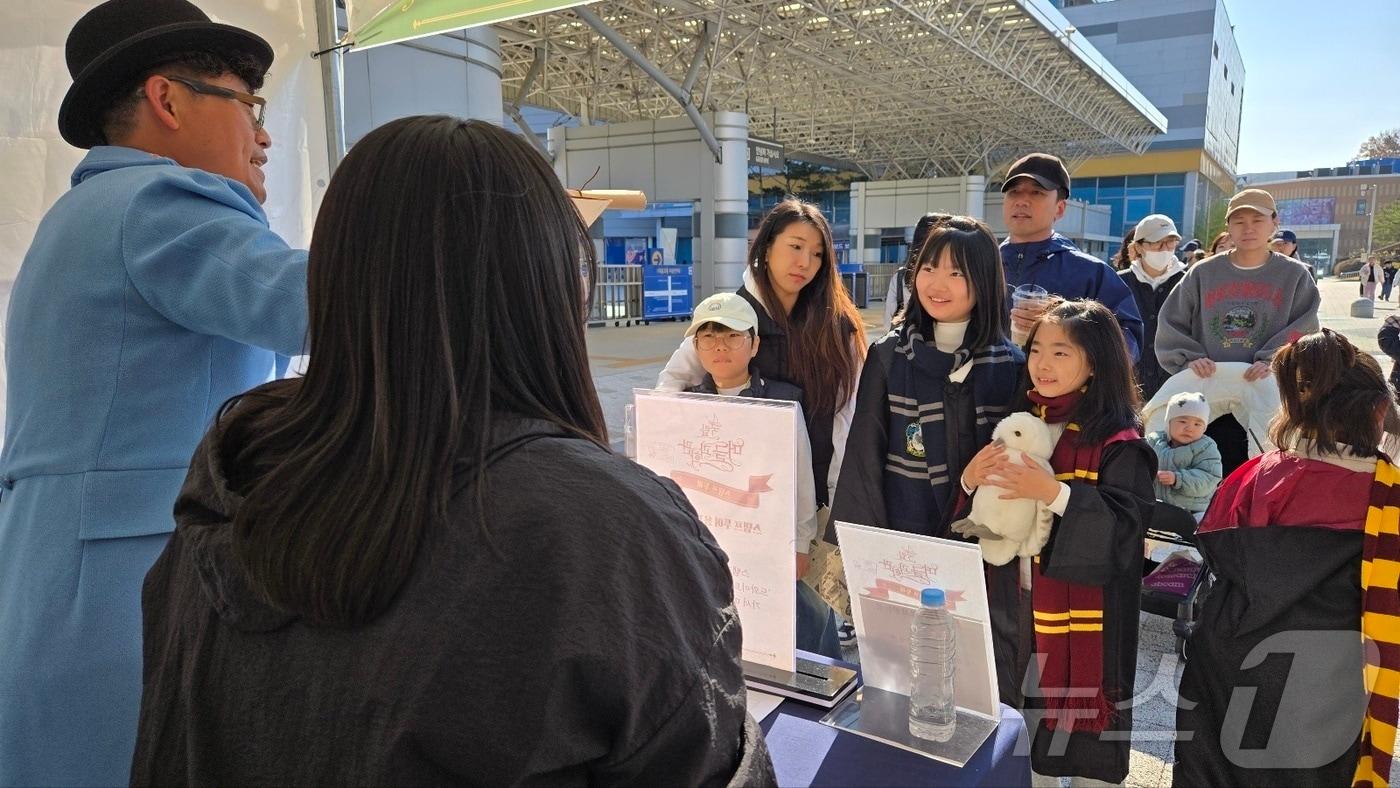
746 498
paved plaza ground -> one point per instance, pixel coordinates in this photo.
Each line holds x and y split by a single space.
628 357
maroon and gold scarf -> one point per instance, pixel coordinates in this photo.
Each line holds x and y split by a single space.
1069 616
1380 625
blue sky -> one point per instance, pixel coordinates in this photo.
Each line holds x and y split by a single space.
1320 77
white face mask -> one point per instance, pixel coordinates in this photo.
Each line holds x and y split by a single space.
1158 261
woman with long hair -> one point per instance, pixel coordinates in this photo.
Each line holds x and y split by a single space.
811 334
420 563
1293 663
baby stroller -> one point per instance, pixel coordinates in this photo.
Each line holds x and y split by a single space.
1177 587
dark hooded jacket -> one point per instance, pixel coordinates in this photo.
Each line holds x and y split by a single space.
1149 301
1057 265
596 644
1389 339
1272 693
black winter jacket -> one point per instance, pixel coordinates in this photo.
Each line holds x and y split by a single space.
594 642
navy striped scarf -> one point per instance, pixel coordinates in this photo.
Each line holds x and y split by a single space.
920 488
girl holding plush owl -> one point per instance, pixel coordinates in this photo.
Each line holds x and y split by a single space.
1071 613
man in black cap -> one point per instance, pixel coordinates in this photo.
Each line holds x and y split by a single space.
154 290
1035 189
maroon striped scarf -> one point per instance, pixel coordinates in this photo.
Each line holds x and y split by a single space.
1069 616
1380 625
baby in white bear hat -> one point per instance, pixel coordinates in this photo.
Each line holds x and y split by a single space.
1188 462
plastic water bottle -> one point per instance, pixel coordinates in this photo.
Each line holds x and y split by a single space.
932 645
629 431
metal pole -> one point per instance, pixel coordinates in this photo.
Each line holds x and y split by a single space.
332 80
513 109
657 75
700 51
1370 215
513 112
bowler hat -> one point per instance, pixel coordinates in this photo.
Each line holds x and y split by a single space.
116 41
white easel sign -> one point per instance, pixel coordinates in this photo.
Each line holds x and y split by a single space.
885 571
736 460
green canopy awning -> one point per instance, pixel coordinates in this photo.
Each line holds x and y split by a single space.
402 20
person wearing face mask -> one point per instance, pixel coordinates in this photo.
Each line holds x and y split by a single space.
1151 275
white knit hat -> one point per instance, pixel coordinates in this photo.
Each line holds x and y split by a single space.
1188 404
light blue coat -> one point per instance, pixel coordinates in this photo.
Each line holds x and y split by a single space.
151 294
1197 467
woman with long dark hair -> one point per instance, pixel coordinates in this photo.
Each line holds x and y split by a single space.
1293 664
420 563
811 333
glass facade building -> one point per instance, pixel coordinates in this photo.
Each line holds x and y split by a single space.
1131 197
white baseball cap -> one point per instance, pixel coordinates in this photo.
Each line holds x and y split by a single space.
1155 228
727 309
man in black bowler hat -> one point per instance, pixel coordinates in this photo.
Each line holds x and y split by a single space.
153 291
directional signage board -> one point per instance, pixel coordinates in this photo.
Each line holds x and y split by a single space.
667 291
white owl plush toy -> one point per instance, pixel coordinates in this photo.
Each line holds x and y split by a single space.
1018 526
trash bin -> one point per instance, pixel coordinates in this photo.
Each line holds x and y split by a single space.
858 287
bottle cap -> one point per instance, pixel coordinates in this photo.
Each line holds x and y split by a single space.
932 597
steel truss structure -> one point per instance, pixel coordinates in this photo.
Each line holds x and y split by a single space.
893 88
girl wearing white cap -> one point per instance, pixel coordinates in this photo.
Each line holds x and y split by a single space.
1151 275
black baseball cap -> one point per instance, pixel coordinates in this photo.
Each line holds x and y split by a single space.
1285 235
1044 169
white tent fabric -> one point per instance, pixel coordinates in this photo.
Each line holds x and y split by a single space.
36 163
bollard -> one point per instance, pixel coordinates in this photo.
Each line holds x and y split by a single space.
1363 307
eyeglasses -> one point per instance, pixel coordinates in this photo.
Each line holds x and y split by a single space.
714 341
257 105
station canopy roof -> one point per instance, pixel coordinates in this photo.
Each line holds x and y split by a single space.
893 88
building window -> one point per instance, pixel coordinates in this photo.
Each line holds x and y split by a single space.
1217 50
1232 88
1227 72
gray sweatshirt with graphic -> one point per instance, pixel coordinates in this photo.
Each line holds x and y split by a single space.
1225 313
